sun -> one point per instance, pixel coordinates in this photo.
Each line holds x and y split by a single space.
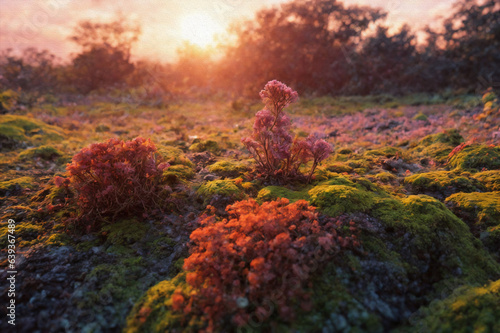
199 29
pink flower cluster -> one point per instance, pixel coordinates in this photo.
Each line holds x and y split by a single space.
272 145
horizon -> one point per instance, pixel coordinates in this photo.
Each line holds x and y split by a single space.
42 24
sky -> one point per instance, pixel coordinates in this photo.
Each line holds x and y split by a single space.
46 24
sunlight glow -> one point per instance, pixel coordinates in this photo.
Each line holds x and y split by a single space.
199 29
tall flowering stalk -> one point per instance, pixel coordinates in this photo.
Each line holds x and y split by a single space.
276 152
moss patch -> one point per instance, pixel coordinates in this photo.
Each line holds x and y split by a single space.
490 179
44 152
270 193
482 208
35 131
442 182
432 231
224 188
228 168
438 146
16 185
468 309
476 158
153 312
337 199
178 173
204 145
125 232
174 155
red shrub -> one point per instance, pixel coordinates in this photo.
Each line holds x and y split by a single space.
259 260
115 178
271 143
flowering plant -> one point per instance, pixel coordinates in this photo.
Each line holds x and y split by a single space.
115 177
271 144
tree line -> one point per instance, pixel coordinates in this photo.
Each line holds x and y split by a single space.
316 46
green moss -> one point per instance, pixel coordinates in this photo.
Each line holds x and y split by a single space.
43 152
10 132
177 173
275 192
205 145
345 151
420 116
225 188
125 232
429 227
385 177
153 312
476 158
337 179
468 309
440 181
174 155
118 285
490 179
228 168
24 232
335 308
17 183
339 167
484 208
35 131
482 212
386 152
58 239
438 146
451 137
337 199
8 100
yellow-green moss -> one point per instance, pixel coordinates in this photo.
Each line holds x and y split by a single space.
43 152
21 183
11 132
420 116
225 188
431 228
275 192
476 158
437 146
205 145
228 168
58 239
178 173
125 232
386 152
337 199
24 231
8 100
468 309
451 137
174 155
453 181
490 179
35 131
385 177
339 167
153 312
117 284
483 207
